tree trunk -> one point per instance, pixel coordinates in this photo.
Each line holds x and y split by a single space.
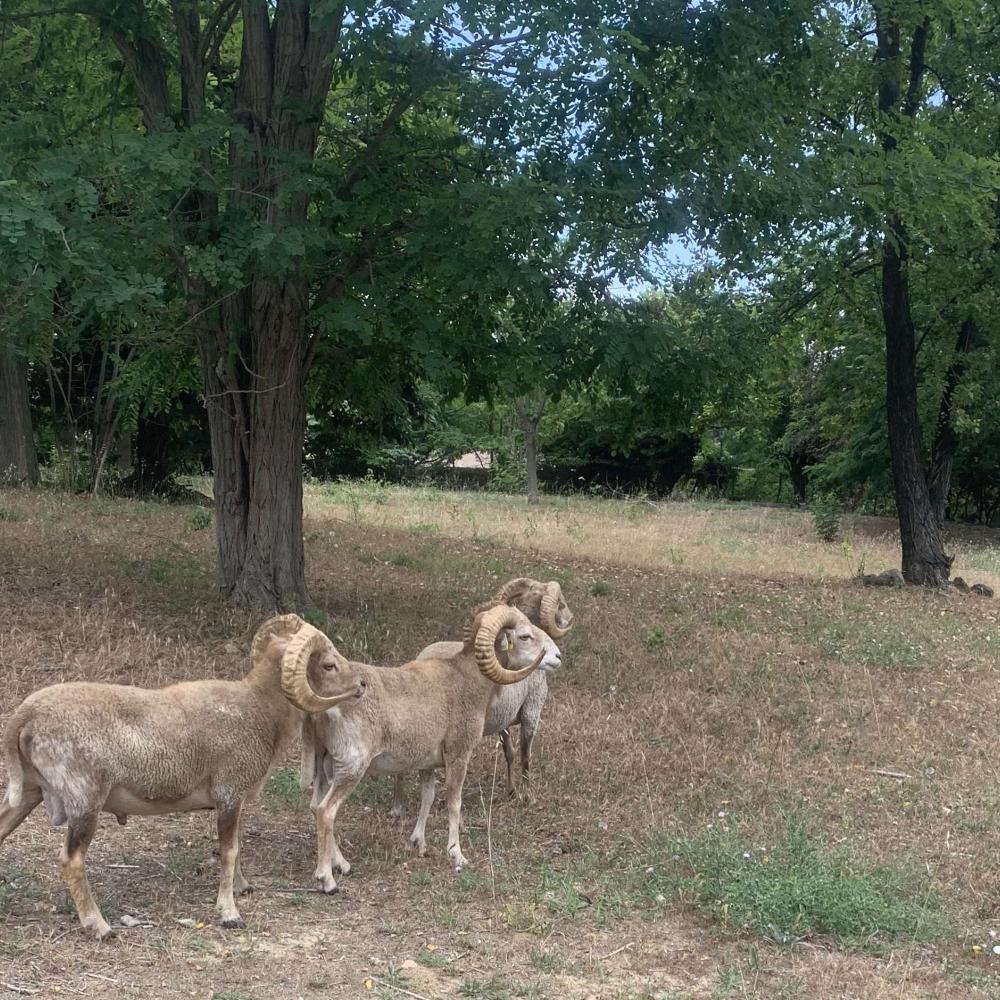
924 559
531 460
799 479
257 426
529 409
18 462
945 439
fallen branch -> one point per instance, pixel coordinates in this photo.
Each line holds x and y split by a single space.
611 954
882 773
398 989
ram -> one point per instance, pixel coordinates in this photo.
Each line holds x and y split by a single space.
518 704
86 748
425 714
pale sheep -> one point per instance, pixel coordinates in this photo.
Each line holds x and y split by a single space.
87 748
422 715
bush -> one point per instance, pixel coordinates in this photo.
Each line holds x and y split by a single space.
826 512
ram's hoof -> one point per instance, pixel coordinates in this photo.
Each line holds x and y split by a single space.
234 923
246 890
457 869
104 933
344 869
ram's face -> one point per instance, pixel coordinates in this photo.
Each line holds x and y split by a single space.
523 645
530 604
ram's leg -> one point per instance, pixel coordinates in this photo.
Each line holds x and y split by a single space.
11 817
229 856
396 809
328 851
454 779
79 834
417 838
241 884
508 752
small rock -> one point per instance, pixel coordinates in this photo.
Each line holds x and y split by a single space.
982 589
129 921
408 965
959 584
186 922
231 648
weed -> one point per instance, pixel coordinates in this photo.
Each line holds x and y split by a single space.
655 639
10 515
183 860
795 889
432 959
826 513
496 989
873 645
231 995
600 588
282 788
545 960
425 528
200 519
318 619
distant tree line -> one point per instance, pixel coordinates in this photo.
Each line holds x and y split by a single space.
273 239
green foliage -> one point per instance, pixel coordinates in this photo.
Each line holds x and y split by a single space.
282 788
200 519
795 888
600 588
826 513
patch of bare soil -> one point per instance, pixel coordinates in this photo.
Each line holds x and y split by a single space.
686 699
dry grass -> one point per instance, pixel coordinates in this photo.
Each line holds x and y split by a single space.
726 671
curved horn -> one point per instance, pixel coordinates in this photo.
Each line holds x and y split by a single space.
486 656
547 613
511 589
283 626
469 628
295 670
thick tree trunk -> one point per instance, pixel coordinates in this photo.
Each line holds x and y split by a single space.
924 559
18 462
257 426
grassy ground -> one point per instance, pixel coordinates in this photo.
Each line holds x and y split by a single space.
754 779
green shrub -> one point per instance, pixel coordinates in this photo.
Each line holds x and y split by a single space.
600 588
794 888
826 512
200 519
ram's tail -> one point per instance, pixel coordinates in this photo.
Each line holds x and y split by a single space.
12 756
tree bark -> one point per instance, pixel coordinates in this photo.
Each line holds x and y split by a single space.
924 558
256 422
945 439
529 411
18 461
